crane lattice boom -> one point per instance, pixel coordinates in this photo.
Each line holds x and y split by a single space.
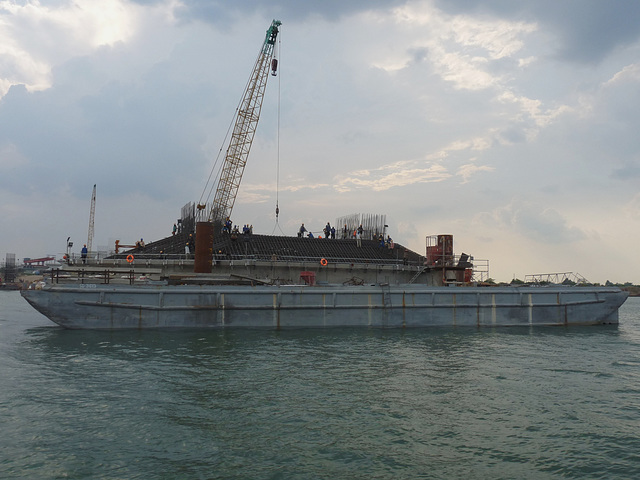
92 214
244 130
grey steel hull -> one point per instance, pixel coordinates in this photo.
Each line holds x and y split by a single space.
140 307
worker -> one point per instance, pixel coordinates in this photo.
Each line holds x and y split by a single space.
191 244
83 254
301 231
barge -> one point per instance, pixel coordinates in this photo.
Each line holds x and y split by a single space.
253 284
91 306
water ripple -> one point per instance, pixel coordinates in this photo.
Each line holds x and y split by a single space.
356 404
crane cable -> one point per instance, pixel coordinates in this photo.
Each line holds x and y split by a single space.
277 225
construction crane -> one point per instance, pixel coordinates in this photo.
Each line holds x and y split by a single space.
92 214
246 122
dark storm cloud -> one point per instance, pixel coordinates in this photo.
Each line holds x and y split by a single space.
627 172
223 11
544 225
588 30
119 134
35 123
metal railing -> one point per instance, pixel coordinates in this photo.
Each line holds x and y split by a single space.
556 278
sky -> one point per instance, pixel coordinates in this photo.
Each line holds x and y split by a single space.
510 125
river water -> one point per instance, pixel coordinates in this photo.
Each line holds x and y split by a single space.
333 404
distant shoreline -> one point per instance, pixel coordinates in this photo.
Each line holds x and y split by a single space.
634 291
23 282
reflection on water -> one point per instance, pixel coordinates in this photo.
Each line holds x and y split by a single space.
211 342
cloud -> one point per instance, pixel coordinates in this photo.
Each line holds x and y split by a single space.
460 48
499 38
630 73
542 224
389 176
528 118
35 37
468 170
630 171
632 208
584 31
474 144
263 192
11 158
222 12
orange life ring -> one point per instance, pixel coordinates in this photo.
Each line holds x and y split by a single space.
323 262
129 258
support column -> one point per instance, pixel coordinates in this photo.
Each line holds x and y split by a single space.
204 248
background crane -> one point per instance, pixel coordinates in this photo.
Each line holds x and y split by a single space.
246 122
92 214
